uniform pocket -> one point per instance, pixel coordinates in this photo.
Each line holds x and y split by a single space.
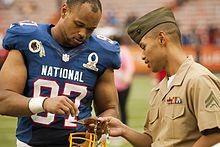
174 111
154 114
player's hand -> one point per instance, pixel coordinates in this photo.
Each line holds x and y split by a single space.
94 125
60 105
113 125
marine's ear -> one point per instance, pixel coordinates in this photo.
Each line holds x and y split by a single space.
162 38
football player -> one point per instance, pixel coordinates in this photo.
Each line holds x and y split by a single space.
53 74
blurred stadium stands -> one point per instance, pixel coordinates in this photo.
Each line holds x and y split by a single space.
199 21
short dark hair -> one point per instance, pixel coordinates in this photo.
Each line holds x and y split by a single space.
170 29
96 4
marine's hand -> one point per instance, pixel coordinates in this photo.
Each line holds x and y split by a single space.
60 105
113 125
93 125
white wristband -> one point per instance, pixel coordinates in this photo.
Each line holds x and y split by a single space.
36 104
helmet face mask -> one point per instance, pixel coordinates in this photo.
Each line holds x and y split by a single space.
84 139
90 137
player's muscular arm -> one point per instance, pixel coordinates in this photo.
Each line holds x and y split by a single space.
13 77
106 97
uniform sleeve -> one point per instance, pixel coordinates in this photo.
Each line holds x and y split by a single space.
115 58
11 40
17 34
108 50
205 94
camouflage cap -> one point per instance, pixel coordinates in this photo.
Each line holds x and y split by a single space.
141 26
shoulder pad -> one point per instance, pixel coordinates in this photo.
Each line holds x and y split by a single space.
17 35
109 49
107 43
23 27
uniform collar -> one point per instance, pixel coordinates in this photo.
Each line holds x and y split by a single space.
180 75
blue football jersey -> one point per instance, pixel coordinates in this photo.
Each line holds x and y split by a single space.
54 70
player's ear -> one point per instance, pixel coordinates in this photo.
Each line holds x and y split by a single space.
162 39
64 10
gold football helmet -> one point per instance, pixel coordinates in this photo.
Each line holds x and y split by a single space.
89 138
85 139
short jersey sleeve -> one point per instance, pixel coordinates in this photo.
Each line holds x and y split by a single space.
11 40
109 51
115 57
17 33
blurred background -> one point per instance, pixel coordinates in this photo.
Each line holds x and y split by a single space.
199 22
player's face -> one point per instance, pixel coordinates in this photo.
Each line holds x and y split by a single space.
152 54
78 23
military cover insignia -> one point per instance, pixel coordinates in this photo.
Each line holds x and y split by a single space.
92 61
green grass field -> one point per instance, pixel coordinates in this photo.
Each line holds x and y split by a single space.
137 107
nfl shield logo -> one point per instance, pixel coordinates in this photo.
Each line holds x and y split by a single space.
65 57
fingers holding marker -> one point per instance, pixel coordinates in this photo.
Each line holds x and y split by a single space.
60 105
74 111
